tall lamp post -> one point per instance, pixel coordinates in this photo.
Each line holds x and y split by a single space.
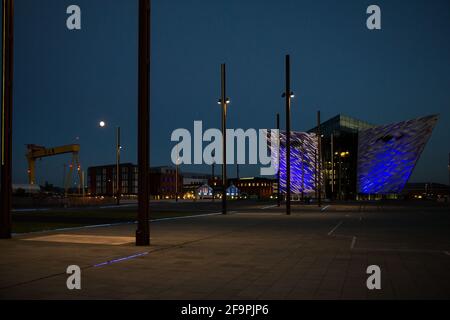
117 189
143 228
6 119
288 95
319 162
278 155
224 101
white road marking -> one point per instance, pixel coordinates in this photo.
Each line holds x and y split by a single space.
118 224
118 206
353 243
401 250
187 217
334 229
267 207
325 208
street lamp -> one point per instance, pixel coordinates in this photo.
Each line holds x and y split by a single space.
224 101
102 124
288 95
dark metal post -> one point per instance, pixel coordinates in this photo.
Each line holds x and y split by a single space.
213 179
332 166
143 229
448 199
278 172
118 172
176 182
340 177
288 135
303 170
223 101
6 119
319 161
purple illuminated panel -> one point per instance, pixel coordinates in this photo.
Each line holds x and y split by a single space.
303 162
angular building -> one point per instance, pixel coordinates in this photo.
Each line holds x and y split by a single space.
359 158
388 154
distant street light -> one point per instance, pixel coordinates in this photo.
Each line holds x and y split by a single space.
224 101
288 95
102 124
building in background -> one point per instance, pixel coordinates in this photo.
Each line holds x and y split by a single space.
163 184
254 187
102 179
426 191
196 179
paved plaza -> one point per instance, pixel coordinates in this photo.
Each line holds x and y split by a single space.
255 252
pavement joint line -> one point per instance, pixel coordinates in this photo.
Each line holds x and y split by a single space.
30 210
41 278
353 243
267 207
325 208
334 229
120 259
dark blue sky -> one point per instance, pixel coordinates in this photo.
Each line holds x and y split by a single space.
66 81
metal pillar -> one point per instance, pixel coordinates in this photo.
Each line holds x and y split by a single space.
143 229
176 176
118 172
319 161
332 167
288 135
278 172
6 119
303 170
213 178
223 102
448 199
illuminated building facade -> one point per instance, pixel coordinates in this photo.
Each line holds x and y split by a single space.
388 154
303 162
360 159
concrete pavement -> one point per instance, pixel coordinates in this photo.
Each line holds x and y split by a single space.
255 253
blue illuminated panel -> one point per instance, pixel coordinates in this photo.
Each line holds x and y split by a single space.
388 154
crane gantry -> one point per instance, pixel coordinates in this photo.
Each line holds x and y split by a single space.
35 152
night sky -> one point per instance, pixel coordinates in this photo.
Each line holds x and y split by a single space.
67 81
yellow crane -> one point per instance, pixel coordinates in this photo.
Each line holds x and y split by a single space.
35 152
